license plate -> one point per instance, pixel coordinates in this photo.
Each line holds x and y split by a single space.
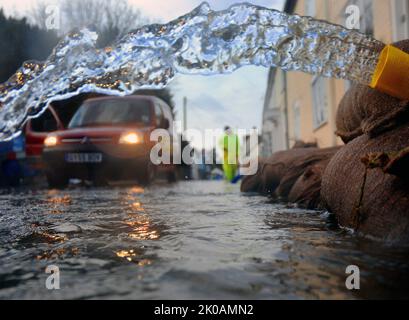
83 157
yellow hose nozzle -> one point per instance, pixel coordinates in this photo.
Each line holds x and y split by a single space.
391 75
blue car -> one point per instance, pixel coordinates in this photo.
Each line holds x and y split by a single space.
12 156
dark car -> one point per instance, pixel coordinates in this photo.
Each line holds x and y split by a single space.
12 161
21 157
107 139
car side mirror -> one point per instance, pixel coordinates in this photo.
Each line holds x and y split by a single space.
165 124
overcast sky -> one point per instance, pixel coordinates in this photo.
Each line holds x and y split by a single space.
235 99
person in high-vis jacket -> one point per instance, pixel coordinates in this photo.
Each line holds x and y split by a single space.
229 143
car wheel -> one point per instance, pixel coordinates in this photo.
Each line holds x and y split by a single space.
147 174
56 180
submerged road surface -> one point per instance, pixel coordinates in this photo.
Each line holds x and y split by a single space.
188 240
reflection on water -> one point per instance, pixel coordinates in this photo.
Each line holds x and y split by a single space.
57 201
137 206
126 254
58 253
142 229
191 240
65 200
42 237
131 256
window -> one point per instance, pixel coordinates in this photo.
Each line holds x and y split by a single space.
310 8
320 103
297 121
44 123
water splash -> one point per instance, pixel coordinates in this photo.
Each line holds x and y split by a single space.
203 42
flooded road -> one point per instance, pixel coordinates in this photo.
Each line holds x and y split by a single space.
192 240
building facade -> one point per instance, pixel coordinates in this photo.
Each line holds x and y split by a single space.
300 106
275 120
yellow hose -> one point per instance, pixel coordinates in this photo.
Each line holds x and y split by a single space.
392 73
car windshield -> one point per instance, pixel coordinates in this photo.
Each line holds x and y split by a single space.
112 112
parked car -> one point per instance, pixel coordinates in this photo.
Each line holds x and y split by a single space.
21 157
107 139
12 162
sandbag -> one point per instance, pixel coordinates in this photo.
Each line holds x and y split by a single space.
306 191
252 183
366 185
277 175
298 166
273 169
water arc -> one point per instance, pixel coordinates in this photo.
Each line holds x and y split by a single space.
202 42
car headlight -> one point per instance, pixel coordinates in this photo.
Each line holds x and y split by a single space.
51 141
130 138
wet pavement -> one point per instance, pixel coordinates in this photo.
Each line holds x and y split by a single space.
191 240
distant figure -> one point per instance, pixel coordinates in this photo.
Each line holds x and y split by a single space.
229 143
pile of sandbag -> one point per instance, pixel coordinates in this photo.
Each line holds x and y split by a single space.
366 111
293 175
366 183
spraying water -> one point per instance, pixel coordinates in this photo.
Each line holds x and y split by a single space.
202 42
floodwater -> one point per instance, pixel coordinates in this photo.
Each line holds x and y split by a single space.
191 240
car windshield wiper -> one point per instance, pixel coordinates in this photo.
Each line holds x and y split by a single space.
94 124
108 124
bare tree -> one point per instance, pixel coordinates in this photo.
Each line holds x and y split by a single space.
110 18
38 15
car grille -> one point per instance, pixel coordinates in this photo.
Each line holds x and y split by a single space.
86 140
